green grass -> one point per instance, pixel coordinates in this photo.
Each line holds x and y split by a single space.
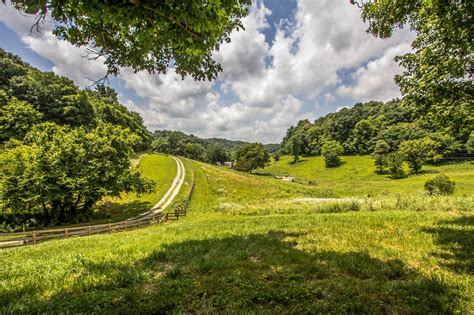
357 176
161 169
234 253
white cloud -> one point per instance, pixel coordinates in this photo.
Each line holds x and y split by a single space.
375 80
68 60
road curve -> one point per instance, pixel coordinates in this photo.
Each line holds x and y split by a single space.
172 192
174 189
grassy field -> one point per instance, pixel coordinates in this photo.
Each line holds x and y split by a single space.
357 176
161 169
235 253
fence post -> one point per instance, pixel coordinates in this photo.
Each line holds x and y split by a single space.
89 230
126 225
66 233
34 237
110 231
176 214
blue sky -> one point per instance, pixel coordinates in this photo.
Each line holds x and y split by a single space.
297 59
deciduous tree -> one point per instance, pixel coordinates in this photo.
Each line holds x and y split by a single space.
251 156
331 151
146 35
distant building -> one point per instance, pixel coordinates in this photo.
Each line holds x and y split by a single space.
229 164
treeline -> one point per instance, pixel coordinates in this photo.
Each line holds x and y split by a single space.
62 148
360 128
212 150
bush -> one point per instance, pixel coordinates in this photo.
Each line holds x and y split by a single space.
331 151
440 185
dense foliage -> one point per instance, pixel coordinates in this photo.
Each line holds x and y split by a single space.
146 35
251 156
62 148
331 151
360 128
440 185
437 79
212 150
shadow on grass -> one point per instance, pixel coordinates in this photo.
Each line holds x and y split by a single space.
456 238
299 161
258 273
116 211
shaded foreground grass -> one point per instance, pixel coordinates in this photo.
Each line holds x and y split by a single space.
382 262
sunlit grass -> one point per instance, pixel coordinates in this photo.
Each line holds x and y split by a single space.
357 176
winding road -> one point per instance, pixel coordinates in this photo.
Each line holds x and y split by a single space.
172 192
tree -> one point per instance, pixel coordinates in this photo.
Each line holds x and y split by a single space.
215 154
55 97
470 144
364 134
418 152
380 155
294 146
251 156
331 151
59 173
438 71
277 156
161 145
16 119
395 165
440 185
194 151
146 35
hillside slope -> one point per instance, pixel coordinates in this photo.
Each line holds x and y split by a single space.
357 177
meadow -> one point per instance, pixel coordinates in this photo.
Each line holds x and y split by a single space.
252 243
356 176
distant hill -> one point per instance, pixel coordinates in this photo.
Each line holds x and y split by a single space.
179 143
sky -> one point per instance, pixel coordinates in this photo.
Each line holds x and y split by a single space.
296 59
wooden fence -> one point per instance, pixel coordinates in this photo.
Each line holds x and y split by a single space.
9 240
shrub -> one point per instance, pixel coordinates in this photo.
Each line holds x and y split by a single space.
440 185
331 151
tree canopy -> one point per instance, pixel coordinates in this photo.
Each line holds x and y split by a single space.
145 35
358 129
438 72
251 156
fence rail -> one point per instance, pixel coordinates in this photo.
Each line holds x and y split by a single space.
17 239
